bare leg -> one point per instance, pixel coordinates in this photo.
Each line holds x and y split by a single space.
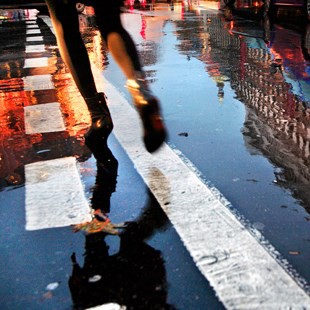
125 54
118 50
119 42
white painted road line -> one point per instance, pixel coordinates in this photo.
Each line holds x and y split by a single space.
242 271
42 118
110 306
36 62
38 82
54 194
40 48
48 22
32 26
33 31
34 39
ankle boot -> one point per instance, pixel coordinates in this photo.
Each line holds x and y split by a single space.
101 121
149 110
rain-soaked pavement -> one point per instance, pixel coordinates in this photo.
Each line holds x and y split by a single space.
235 95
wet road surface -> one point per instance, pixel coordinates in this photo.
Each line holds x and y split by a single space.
240 90
236 107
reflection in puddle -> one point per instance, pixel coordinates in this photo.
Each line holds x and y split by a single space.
135 275
55 86
269 73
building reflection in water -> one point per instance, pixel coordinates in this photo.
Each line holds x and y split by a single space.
277 119
270 75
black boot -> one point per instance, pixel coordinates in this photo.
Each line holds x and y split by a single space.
101 121
149 109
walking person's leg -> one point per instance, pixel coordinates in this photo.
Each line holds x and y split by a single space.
124 51
72 49
65 21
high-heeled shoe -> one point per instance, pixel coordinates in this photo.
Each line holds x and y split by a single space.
149 109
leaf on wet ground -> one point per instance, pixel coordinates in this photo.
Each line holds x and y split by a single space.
183 134
96 226
294 252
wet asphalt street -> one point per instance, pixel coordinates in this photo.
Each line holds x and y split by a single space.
235 96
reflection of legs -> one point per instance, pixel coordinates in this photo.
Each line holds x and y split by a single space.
106 180
125 54
66 24
102 191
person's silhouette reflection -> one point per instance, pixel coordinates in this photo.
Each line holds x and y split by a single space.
107 166
135 276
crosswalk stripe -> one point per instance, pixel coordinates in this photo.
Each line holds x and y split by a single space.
33 31
32 26
36 62
54 194
40 48
38 82
34 39
43 118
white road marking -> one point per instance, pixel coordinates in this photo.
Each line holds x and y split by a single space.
40 48
42 118
54 194
242 271
48 22
32 26
33 31
38 82
34 39
36 62
110 306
